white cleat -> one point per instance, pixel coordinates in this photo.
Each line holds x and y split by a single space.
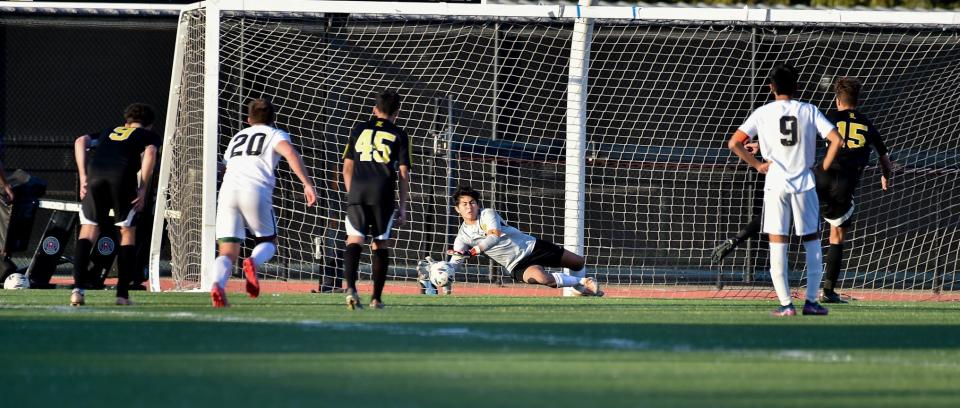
353 301
588 287
77 298
573 291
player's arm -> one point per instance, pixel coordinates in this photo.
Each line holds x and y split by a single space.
834 138
146 174
347 173
80 155
491 220
293 158
886 166
459 253
404 161
404 194
6 184
736 145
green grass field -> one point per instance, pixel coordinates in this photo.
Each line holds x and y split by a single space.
172 349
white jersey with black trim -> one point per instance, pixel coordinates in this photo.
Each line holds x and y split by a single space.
508 251
251 158
787 131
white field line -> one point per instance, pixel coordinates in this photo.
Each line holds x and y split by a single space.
460 332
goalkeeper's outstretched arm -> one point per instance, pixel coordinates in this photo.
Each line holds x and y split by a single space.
459 254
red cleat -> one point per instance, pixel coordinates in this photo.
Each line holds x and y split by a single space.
218 296
250 273
782 311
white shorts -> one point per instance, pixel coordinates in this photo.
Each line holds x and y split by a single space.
778 207
237 209
124 223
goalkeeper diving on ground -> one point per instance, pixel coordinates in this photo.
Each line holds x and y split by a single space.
483 232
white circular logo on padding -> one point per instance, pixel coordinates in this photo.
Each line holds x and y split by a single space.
106 246
50 245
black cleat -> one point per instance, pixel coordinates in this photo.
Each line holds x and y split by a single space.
832 297
722 250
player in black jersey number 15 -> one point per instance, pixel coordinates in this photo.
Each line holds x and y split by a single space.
836 186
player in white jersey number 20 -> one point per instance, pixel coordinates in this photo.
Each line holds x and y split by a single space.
246 197
787 131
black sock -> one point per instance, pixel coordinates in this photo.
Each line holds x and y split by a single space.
751 230
831 271
126 261
81 262
380 263
351 262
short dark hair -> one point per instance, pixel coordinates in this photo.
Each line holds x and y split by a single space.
260 111
847 90
388 102
784 78
139 113
465 190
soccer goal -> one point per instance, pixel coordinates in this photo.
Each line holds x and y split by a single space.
599 128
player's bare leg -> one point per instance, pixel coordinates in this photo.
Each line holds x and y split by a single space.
574 265
536 275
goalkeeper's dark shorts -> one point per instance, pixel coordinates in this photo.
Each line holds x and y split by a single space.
835 189
545 253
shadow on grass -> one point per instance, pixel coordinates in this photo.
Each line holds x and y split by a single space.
315 336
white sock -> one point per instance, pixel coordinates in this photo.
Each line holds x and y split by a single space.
778 272
565 281
568 291
814 268
222 265
263 252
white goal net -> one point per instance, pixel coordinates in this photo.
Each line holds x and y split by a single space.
485 101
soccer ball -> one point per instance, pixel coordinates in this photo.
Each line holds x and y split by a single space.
441 273
16 281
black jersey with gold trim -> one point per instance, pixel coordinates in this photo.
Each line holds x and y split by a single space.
118 150
378 148
858 134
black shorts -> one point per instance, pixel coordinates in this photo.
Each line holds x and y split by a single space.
545 253
109 193
372 220
835 189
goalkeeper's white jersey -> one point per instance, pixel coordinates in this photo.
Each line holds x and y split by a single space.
787 131
508 251
251 158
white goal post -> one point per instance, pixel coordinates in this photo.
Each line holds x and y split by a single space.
599 128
